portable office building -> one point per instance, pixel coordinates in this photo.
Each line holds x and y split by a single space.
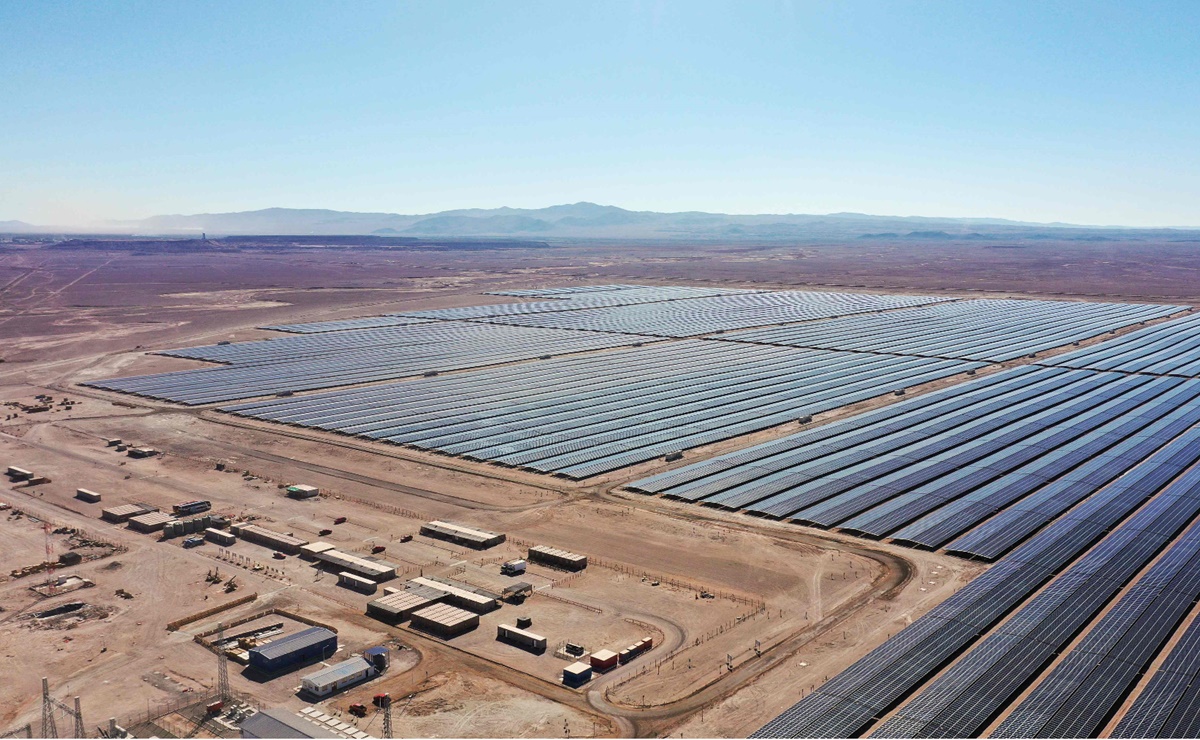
577 674
84 494
338 676
220 537
603 660
357 582
302 491
521 638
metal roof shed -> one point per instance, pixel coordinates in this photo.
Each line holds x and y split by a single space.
301 647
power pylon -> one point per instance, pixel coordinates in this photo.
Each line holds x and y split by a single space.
49 728
222 666
387 716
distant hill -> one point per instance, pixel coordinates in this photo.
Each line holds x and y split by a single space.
592 221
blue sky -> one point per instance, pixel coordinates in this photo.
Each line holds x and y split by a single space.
1083 112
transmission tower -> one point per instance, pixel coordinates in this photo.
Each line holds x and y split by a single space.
49 728
52 707
222 665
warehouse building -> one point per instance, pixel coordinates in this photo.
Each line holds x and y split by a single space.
521 638
557 558
124 512
374 569
338 676
269 538
444 620
461 595
305 646
396 607
475 538
90 497
150 522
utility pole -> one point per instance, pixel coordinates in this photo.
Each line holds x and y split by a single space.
222 666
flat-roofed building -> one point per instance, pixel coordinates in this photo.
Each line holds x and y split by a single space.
444 620
479 539
399 606
338 676
557 558
374 569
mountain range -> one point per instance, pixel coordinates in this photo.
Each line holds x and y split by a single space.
592 221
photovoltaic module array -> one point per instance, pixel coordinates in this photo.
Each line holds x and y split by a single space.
994 330
1171 348
688 318
585 415
326 360
1020 446
1042 595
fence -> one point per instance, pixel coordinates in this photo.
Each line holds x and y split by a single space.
196 699
173 626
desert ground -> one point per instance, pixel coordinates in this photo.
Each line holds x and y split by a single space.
747 615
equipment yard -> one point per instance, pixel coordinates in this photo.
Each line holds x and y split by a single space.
811 509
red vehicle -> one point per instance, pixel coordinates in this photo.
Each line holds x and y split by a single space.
215 707
340 520
358 710
378 549
279 556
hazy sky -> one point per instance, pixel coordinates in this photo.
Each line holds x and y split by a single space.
1085 112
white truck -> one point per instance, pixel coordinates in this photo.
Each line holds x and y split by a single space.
513 568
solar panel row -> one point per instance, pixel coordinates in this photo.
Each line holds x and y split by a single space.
851 701
1169 706
581 416
929 470
995 330
1085 690
1171 348
715 314
571 301
456 347
365 322
573 290
965 699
